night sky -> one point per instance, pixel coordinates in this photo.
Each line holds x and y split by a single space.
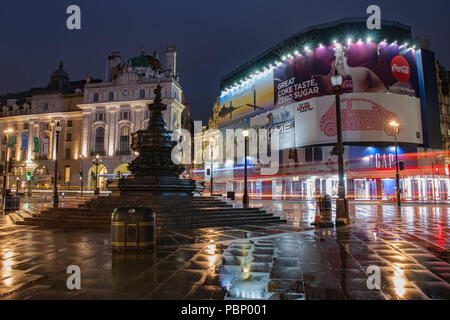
212 37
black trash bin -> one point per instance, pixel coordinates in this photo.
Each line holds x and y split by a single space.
132 228
12 202
326 219
231 195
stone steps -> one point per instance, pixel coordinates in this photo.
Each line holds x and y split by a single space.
96 213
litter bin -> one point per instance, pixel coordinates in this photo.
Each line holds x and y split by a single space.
231 195
12 202
132 228
326 219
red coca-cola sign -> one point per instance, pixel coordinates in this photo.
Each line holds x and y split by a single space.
400 69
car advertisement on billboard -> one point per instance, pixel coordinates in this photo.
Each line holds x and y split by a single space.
364 67
365 117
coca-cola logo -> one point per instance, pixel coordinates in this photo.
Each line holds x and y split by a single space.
400 69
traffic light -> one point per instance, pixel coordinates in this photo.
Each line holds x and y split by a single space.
80 174
208 172
401 165
29 176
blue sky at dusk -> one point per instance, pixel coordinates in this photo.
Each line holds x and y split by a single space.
212 37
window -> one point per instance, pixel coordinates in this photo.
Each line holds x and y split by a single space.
142 94
4 140
67 175
68 152
46 144
68 137
69 123
25 126
111 96
95 97
317 154
99 140
308 154
125 115
124 143
100 116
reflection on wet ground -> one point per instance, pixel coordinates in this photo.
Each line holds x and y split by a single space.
289 261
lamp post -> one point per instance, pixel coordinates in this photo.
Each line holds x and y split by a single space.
5 171
342 216
245 198
17 185
395 125
81 175
211 188
55 186
97 161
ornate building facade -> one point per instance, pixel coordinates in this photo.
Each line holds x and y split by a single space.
28 125
96 118
114 109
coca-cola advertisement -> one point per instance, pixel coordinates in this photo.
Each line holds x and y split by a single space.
364 67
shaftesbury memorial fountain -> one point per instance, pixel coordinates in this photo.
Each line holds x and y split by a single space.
155 183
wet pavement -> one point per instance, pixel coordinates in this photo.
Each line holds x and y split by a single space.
290 261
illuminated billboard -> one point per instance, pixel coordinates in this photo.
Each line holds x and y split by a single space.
364 67
365 117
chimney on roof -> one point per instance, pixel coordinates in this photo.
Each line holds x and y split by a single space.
114 65
171 60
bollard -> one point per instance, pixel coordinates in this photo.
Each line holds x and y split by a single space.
132 228
326 219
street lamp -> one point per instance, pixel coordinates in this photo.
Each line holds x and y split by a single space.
396 125
81 175
17 185
245 198
342 216
5 171
55 186
211 141
97 161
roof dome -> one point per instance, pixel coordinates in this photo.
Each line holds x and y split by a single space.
59 80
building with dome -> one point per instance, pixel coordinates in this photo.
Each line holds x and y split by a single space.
96 118
30 117
113 109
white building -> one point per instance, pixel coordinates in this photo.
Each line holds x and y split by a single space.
96 118
113 110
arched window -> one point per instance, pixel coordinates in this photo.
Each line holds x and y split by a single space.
95 97
124 145
99 145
